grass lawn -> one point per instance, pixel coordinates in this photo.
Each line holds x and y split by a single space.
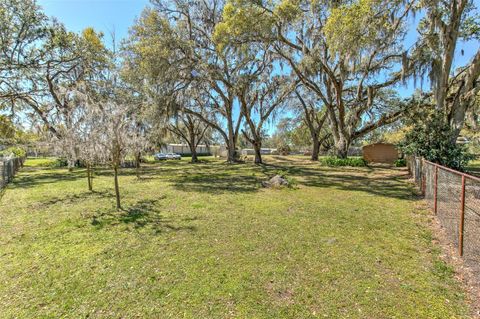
206 241
474 167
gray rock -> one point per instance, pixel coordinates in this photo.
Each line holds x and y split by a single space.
276 181
331 241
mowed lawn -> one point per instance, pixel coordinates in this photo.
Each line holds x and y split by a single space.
207 241
474 167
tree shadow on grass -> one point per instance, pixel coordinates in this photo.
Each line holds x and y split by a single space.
387 182
216 182
386 186
45 178
246 178
381 181
150 171
144 214
75 198
218 178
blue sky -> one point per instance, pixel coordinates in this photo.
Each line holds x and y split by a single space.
103 15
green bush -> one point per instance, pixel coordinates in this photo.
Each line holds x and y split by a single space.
283 149
431 138
63 162
17 151
401 162
349 161
59 162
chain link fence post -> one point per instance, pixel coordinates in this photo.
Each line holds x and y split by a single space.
462 218
8 169
435 191
2 173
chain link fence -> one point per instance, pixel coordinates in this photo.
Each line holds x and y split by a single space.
454 197
8 169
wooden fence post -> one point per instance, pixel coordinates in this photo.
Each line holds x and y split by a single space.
462 218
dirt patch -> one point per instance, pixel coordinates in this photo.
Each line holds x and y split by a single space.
280 295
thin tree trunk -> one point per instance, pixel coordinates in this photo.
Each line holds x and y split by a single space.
257 146
89 177
475 119
231 143
137 164
117 190
92 174
193 146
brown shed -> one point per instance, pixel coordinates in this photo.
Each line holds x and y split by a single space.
380 153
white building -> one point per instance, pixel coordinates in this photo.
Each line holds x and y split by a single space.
183 149
263 151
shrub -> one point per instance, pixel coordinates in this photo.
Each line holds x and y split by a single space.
349 161
59 162
63 162
401 162
431 138
283 149
16 151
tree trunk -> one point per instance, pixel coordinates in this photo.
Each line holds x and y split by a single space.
257 146
232 154
137 164
117 190
70 164
316 148
449 42
231 142
89 177
466 93
475 120
72 157
341 148
193 150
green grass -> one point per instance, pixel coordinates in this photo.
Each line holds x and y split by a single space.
474 167
350 161
206 241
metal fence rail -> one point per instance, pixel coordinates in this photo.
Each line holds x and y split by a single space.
454 197
8 169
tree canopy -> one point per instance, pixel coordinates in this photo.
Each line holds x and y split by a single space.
237 67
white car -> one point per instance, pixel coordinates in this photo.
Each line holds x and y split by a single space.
174 156
160 157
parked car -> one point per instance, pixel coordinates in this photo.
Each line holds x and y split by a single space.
160 157
174 156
